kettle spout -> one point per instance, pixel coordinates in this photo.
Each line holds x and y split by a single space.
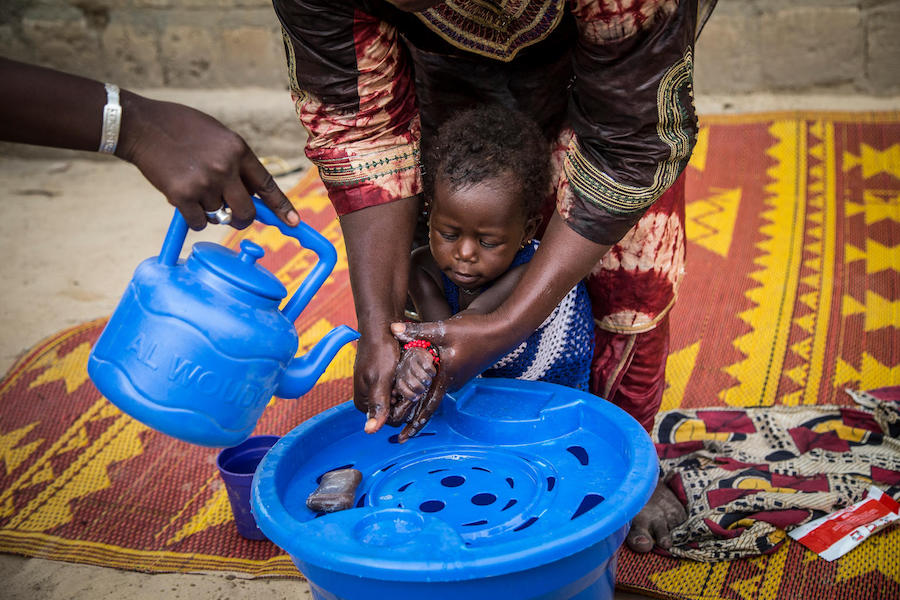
304 371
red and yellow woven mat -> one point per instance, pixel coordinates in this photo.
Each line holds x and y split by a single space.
791 296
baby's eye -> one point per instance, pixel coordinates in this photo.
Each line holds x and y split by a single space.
489 244
447 235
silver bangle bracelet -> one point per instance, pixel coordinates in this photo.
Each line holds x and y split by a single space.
112 120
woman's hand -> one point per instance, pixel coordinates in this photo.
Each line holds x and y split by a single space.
466 347
373 378
196 162
377 239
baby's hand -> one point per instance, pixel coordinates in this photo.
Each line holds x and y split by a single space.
414 374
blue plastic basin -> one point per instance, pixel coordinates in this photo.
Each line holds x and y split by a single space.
514 490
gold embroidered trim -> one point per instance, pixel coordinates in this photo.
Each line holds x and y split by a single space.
498 29
354 170
597 187
291 60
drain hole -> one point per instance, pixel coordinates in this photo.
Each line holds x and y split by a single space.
511 483
431 506
551 483
362 501
587 503
319 478
404 486
474 523
509 504
436 471
481 469
383 469
527 523
453 481
483 499
579 453
425 433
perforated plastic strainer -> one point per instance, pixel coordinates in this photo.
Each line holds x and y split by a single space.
515 490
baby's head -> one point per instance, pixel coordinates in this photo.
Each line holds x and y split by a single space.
486 177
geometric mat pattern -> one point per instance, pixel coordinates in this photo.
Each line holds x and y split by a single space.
792 294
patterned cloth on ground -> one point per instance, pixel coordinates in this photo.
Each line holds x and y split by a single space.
749 475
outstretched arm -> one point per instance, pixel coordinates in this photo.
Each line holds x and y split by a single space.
194 160
417 366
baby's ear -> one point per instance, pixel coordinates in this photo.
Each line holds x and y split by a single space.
531 225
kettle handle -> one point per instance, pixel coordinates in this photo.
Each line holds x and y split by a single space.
307 236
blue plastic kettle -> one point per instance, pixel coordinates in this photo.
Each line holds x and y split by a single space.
196 348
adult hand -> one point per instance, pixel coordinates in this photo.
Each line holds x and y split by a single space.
196 162
378 240
373 378
466 348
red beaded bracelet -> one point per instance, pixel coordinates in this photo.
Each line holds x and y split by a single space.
425 345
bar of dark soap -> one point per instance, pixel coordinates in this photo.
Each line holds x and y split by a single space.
336 491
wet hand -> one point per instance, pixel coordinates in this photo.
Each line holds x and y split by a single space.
466 347
415 374
373 378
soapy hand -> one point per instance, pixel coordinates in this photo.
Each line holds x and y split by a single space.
373 376
415 374
466 347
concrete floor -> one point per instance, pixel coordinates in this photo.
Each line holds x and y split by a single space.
71 233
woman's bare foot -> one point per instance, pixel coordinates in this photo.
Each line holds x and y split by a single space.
652 525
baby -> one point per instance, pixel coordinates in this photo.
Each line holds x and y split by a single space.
487 176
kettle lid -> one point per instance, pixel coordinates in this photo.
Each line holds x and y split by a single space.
240 269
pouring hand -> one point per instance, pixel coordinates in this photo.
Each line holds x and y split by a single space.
373 377
194 160
197 162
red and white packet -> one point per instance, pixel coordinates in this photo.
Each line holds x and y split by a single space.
834 535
